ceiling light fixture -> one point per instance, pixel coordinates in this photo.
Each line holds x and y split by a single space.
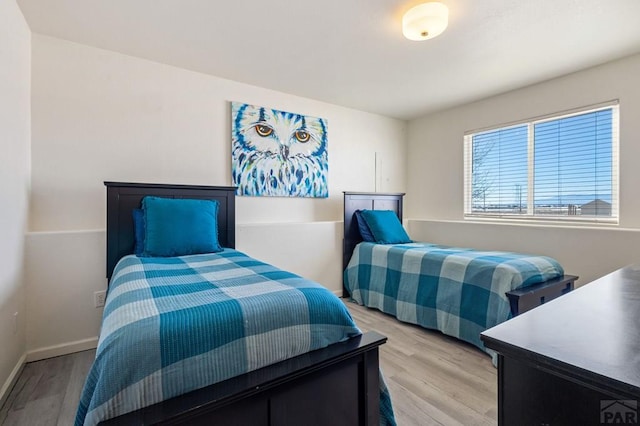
425 21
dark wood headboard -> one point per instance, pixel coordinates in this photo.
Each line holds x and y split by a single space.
364 200
122 198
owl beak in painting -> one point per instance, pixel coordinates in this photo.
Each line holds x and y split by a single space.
284 152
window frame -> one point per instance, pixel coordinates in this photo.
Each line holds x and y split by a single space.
530 216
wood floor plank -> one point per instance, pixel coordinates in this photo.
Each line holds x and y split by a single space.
42 411
54 378
47 391
81 364
13 418
415 411
27 384
19 384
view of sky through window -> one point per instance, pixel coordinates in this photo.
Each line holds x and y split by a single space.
565 165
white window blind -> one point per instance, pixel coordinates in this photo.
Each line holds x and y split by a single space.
562 167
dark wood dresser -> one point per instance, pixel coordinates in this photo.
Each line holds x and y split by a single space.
574 360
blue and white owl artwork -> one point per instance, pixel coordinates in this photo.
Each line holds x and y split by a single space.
278 154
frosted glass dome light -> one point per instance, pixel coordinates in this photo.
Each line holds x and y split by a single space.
425 21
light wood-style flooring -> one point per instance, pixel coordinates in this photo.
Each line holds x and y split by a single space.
47 392
433 379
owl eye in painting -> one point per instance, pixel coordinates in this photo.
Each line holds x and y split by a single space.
263 130
302 136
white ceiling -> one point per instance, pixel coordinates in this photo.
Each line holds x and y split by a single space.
352 52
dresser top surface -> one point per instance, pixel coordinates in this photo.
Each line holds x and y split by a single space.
592 332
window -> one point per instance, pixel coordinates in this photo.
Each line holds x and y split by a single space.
561 167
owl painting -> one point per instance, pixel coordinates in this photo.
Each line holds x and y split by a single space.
278 154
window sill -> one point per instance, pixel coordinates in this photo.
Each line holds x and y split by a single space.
546 222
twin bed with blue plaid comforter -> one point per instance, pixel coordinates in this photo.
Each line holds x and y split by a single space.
176 324
459 291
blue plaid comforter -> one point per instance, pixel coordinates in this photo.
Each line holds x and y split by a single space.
172 325
458 291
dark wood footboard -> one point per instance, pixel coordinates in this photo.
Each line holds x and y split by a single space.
529 297
337 385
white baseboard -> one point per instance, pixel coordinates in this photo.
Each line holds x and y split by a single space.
62 349
11 380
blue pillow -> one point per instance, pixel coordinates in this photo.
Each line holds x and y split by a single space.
180 226
138 231
385 227
365 232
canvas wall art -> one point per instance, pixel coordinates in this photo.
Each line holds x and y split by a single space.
278 154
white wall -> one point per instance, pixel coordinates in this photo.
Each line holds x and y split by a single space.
435 166
99 115
64 269
15 66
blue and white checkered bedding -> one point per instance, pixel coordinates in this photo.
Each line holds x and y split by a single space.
458 291
172 325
